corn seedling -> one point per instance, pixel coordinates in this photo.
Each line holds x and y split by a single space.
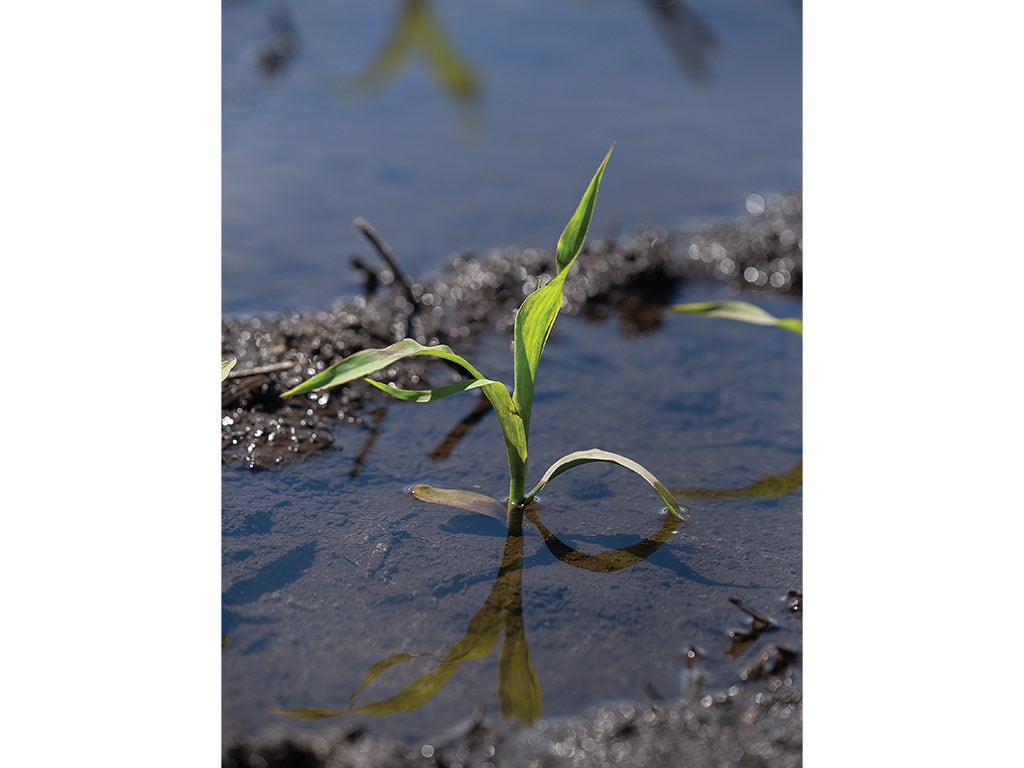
533 324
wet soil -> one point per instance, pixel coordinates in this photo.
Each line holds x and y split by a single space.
755 726
752 716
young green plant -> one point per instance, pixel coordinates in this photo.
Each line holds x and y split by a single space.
533 325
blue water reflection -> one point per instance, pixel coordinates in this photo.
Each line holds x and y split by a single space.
702 98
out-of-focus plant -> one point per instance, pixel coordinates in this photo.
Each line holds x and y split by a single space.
418 31
742 311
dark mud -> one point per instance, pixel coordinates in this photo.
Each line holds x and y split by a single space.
633 279
754 719
756 726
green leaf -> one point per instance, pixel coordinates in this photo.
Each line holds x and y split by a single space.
537 315
367 361
571 460
226 366
742 311
468 500
427 395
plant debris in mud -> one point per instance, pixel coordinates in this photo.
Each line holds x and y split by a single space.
634 278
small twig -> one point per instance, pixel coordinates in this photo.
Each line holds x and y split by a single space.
284 365
389 259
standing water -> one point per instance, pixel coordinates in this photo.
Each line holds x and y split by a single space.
455 126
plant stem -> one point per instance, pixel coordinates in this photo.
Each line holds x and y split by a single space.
516 483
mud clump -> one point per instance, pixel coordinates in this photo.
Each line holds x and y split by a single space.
634 279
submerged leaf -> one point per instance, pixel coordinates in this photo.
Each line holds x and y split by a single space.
742 311
468 500
571 460
537 315
226 366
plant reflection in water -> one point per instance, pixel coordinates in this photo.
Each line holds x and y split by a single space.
518 685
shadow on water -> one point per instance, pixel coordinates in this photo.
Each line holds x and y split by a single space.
286 570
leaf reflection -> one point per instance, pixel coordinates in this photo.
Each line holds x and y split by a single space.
417 30
519 686
767 487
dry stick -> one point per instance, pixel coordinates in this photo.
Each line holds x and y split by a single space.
389 259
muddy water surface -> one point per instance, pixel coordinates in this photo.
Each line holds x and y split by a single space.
330 566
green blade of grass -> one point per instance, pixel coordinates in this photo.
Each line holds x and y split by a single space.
367 361
577 458
741 311
226 366
467 500
537 315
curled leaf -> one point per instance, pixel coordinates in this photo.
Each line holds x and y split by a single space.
226 366
427 395
571 460
367 361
